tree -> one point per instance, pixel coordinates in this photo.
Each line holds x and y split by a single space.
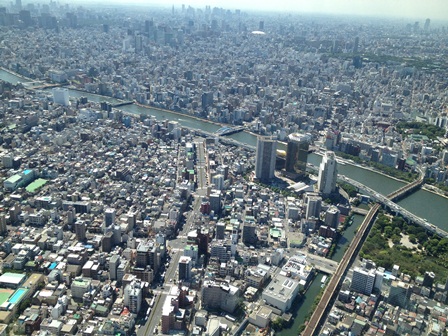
421 237
278 324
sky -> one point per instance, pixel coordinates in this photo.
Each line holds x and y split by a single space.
419 9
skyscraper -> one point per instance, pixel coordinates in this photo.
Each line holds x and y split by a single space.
297 154
265 159
427 24
328 173
399 294
313 207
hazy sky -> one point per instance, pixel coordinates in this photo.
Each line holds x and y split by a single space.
420 9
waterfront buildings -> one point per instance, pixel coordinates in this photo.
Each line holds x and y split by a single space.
297 154
265 158
328 174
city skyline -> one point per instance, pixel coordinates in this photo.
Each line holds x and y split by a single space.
433 9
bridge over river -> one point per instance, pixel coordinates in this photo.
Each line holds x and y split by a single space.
328 297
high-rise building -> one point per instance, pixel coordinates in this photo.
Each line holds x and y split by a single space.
3 228
313 207
218 181
265 158
363 280
133 296
328 173
61 96
185 265
356 45
297 154
249 233
427 24
109 216
428 279
114 262
106 242
332 217
220 230
80 230
399 294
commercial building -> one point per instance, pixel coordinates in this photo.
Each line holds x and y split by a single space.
185 265
363 280
399 293
328 174
297 154
61 96
265 158
281 292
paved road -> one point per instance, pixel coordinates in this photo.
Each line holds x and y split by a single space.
176 246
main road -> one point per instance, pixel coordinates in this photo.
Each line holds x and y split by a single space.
177 245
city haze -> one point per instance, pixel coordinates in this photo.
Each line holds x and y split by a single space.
434 9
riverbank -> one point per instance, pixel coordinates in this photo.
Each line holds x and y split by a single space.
433 189
26 79
182 114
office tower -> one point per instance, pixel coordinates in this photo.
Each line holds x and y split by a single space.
356 45
25 17
328 174
61 96
297 154
249 233
80 230
220 230
363 280
106 242
399 294
109 216
218 181
332 217
207 99
427 23
313 207
428 279
185 265
114 262
215 201
265 158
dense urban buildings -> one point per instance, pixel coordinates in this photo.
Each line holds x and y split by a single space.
116 218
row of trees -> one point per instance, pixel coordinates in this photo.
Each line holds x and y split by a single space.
391 171
431 131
